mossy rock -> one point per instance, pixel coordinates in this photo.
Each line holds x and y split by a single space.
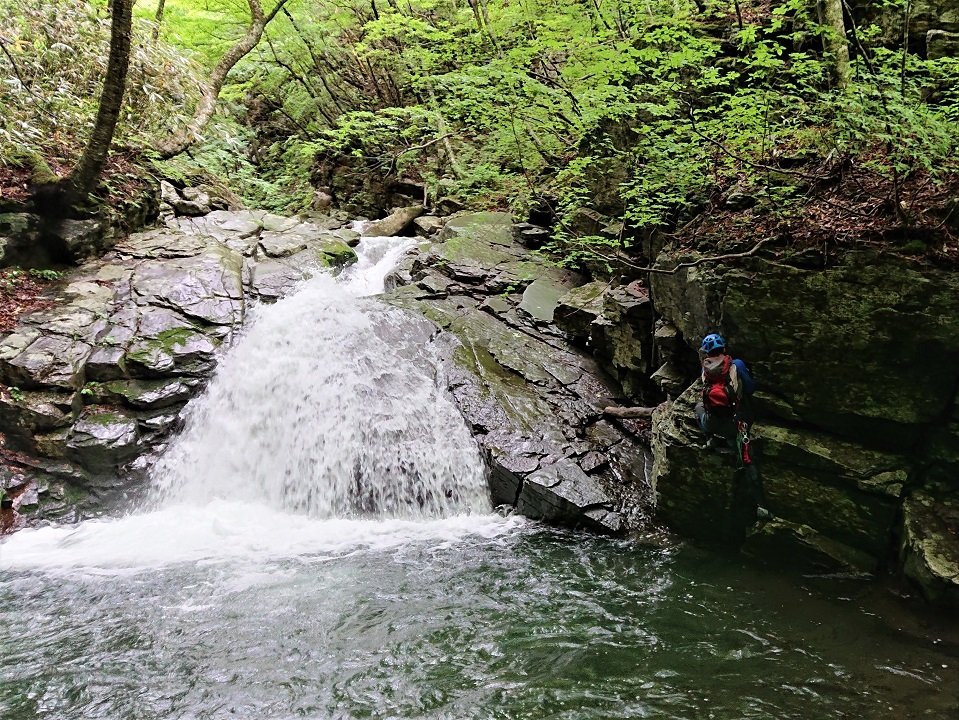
336 254
801 548
930 544
867 349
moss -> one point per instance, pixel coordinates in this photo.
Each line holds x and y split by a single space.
336 254
177 337
105 418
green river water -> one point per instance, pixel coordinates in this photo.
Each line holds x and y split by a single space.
471 617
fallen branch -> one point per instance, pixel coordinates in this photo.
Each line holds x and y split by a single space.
16 69
631 413
693 263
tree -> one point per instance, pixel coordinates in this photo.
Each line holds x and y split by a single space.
836 41
211 90
82 181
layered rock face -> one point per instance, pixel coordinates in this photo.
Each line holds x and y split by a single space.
857 444
99 379
533 400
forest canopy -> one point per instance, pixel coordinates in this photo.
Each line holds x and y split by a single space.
615 119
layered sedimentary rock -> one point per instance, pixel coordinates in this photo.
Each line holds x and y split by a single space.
98 380
858 367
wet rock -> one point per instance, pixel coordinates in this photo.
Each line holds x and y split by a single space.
434 283
531 236
29 499
350 237
25 412
670 379
579 308
279 245
562 494
103 439
593 461
50 360
335 253
799 547
163 243
176 351
270 279
532 400
207 287
542 296
930 553
151 394
426 226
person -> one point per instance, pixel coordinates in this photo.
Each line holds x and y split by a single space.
727 385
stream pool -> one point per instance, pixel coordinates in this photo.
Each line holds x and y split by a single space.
229 611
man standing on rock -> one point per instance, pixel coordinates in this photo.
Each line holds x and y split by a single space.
726 385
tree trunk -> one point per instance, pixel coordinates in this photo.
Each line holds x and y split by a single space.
836 41
85 175
161 5
211 91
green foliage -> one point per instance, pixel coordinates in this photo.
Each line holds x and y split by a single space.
647 112
90 389
48 275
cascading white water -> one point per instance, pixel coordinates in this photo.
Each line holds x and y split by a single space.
322 432
328 406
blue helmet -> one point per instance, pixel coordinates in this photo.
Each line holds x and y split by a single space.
713 342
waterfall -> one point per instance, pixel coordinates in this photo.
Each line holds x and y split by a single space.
328 406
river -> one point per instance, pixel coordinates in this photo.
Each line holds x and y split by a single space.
318 544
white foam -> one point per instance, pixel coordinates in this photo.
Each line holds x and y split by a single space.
225 531
323 432
376 257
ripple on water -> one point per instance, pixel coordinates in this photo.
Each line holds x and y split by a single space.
474 617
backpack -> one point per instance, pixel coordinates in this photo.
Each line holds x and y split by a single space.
719 385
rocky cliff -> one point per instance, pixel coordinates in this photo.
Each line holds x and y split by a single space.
533 400
857 442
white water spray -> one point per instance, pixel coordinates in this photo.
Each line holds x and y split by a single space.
322 432
328 406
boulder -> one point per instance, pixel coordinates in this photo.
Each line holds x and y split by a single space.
563 494
578 309
930 552
426 226
279 245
